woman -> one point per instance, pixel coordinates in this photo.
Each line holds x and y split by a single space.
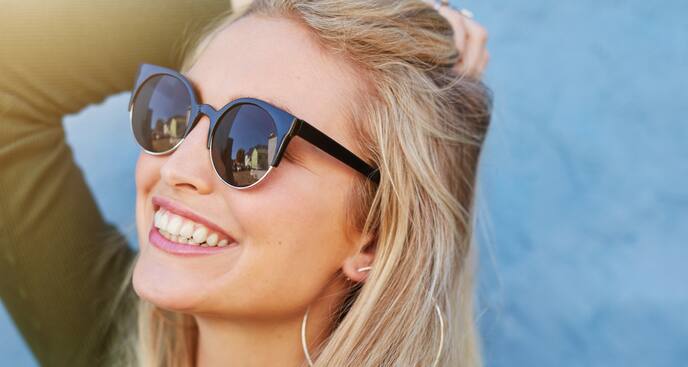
308 262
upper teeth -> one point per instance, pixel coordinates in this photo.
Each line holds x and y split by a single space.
183 230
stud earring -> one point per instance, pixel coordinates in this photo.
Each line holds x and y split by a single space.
365 268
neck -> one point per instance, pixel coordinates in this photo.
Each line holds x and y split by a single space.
254 343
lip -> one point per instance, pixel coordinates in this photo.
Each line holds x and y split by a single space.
155 238
159 201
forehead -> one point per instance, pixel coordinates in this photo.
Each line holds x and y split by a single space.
275 59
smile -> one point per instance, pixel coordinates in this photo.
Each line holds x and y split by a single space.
178 230
156 238
185 231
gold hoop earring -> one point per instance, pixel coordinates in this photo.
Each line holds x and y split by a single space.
308 356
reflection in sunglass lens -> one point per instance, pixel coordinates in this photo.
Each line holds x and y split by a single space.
160 113
244 144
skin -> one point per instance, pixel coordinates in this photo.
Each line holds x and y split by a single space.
294 247
470 38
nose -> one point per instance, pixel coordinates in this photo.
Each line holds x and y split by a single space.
188 167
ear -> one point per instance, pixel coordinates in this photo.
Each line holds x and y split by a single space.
363 258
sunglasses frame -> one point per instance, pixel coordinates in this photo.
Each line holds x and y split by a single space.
287 126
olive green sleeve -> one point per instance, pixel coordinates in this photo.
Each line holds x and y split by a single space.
61 264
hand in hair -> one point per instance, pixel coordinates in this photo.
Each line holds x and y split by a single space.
469 35
471 41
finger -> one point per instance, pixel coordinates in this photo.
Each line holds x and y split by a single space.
456 20
484 63
470 39
479 70
475 46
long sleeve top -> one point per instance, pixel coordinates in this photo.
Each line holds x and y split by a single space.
61 263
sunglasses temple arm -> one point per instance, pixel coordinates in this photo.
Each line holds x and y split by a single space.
331 147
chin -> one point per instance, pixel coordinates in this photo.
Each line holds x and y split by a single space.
173 293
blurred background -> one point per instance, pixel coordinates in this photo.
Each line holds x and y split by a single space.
583 217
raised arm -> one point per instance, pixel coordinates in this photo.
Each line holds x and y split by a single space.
60 262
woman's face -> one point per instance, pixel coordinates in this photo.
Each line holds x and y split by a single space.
290 230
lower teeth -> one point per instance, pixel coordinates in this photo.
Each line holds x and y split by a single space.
186 241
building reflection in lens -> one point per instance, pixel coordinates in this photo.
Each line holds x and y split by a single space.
167 133
251 163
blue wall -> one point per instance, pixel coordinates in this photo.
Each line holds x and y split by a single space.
586 184
584 210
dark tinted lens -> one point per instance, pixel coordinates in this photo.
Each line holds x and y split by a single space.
160 113
244 144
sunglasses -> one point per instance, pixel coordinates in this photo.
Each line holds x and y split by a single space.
247 137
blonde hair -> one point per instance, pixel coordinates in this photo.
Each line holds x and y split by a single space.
423 126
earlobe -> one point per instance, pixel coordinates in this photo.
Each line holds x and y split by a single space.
357 267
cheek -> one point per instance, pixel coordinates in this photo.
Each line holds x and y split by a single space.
301 217
146 177
294 244
147 172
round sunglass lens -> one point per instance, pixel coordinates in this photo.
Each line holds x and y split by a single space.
244 144
160 113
